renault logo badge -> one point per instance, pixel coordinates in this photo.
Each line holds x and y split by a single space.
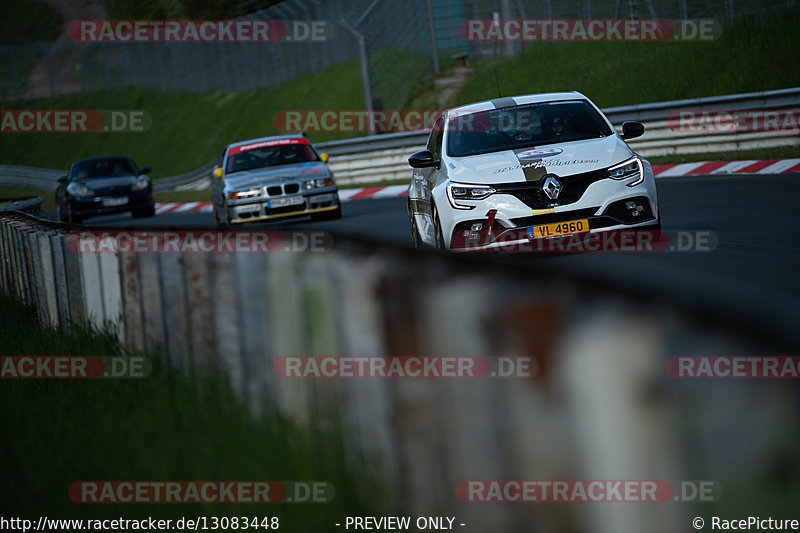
551 186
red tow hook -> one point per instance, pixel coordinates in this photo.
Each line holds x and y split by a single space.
490 220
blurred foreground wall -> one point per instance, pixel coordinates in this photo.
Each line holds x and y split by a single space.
598 405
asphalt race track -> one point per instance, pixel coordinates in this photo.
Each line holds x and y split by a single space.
755 219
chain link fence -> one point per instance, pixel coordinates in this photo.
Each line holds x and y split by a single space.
397 42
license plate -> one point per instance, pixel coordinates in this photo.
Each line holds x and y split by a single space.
111 202
283 202
558 229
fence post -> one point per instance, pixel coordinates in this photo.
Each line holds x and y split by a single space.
60 276
173 304
49 302
226 323
131 300
199 299
76 298
152 313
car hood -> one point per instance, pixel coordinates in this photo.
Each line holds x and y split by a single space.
530 164
110 184
264 176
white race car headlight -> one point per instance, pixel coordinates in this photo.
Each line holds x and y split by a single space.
318 183
142 182
457 193
241 195
632 168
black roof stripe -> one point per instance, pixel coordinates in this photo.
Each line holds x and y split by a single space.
505 101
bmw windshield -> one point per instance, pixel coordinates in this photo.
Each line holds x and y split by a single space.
524 126
270 156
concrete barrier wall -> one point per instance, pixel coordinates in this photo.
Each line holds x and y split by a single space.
600 391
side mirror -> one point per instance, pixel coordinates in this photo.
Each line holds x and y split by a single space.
423 159
218 172
145 170
324 157
62 179
631 129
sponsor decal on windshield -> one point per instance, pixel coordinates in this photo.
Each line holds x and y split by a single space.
263 144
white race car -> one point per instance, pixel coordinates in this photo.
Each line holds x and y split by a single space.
510 171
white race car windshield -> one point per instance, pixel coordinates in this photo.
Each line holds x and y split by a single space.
524 126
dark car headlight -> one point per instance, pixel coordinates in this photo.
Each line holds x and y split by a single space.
79 190
142 182
632 168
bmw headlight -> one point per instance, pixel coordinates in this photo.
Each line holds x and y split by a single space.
241 195
318 183
142 182
632 168
79 190
457 192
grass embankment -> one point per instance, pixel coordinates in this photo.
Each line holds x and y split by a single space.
162 428
752 54
188 130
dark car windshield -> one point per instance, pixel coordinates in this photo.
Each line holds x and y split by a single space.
270 156
523 126
100 168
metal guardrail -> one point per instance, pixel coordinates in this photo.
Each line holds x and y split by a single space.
383 157
28 204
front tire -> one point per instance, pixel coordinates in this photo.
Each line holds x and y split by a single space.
416 240
437 230
144 213
63 216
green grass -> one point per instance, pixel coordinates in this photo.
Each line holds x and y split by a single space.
188 130
163 428
28 21
752 54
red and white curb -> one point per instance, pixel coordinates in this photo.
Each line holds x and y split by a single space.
768 166
345 195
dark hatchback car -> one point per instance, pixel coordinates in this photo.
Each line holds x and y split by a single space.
102 186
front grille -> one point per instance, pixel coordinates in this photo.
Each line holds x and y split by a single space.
275 190
573 187
286 209
291 188
552 218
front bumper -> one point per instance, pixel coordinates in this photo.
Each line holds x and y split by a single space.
607 204
94 206
264 209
